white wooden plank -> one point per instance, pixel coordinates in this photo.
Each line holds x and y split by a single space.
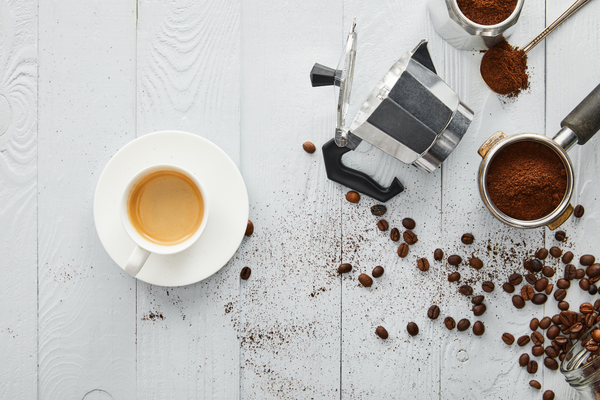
372 367
290 306
189 79
87 341
18 199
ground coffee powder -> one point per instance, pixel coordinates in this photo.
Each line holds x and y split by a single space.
487 12
526 180
504 69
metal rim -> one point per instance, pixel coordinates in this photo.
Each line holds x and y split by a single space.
485 30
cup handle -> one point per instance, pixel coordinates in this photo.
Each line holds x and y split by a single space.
136 261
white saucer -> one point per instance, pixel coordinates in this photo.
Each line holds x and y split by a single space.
229 206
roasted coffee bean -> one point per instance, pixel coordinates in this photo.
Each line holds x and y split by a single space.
449 322
549 289
555 252
353 197
467 238
586 308
597 305
454 277
410 237
477 299
508 338
556 320
561 340
515 279
466 290
381 332
438 255
539 299
479 309
508 288
249 228
412 328
395 234
478 328
593 289
537 351
596 335
548 395
536 265
344 268
592 348
594 279
552 332
563 284
542 254
545 323
423 264
476 263
531 279
563 305
551 352
463 325
433 312
548 271
535 384
579 273
527 292
567 318
527 265
309 147
245 273
383 225
365 280
540 284
518 301
524 360
454 260
408 223
551 363
537 338
402 250
578 212
560 294
590 319
488 286
560 236
523 340
587 260
378 210
584 284
534 324
593 270
377 271
532 367
567 257
577 327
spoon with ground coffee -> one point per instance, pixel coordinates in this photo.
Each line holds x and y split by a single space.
504 67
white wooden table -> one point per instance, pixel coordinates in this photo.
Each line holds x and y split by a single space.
80 79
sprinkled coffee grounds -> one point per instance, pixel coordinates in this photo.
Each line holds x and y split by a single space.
504 69
526 180
487 12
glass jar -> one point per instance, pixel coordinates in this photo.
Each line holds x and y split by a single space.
581 374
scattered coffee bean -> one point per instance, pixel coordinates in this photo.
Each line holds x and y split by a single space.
378 210
463 325
537 338
466 290
563 284
309 147
551 363
449 322
523 340
403 250
567 257
245 273
408 223
524 360
381 332
537 351
479 309
534 324
412 328
508 288
545 323
597 305
518 301
532 367
488 286
577 327
596 335
548 395
467 238
593 270
508 338
540 284
531 279
578 212
593 289
477 299
454 260
594 279
454 277
377 271
548 271
556 320
579 273
438 255
410 237
536 265
563 305
527 292
249 229
584 284
587 260
570 272
542 254
395 234
433 312
560 294
561 340
549 289
552 332
551 352
592 348
476 263
560 236
353 197
344 268
423 264
527 265
478 328
535 384
555 252
383 225
515 279
365 280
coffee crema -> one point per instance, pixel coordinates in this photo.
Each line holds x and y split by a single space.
165 207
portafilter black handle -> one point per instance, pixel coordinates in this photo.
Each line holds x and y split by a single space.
584 120
321 75
356 180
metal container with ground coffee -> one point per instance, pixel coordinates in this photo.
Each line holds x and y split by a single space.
475 24
526 180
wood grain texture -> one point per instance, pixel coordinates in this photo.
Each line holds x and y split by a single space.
189 79
18 199
87 327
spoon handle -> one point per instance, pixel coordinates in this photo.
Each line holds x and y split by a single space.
570 11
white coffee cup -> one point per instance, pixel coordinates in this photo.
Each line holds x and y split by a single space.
145 247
